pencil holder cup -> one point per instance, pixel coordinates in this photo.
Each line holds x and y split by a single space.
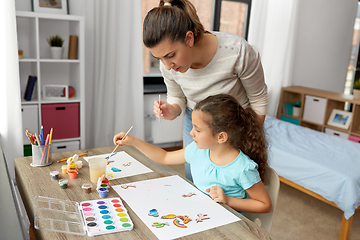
41 155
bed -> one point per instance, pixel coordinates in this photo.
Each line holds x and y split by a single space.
321 165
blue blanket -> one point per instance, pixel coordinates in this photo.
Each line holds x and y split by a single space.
322 163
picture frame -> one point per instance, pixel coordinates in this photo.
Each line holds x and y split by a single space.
55 92
50 6
340 119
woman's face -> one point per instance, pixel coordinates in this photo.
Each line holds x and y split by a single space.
201 132
177 55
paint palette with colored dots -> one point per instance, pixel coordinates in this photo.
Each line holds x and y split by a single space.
103 216
107 215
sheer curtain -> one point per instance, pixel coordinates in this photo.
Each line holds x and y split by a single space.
113 70
272 32
10 105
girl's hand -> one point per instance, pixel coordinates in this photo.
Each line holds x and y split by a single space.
217 194
165 110
118 139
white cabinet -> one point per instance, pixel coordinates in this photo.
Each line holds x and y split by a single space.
33 29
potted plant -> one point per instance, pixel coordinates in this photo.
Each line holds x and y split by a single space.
56 43
356 89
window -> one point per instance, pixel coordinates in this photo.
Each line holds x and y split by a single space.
353 73
224 15
232 16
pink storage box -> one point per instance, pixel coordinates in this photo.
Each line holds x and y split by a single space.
354 138
63 118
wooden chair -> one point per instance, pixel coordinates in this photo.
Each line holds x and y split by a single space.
264 220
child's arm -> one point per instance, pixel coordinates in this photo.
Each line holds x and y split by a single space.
154 153
260 201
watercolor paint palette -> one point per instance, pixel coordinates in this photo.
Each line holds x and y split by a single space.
106 215
96 217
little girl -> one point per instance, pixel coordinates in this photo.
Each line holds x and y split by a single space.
228 156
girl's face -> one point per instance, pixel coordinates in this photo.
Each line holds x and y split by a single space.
177 55
201 132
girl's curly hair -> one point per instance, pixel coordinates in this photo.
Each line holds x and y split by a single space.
245 130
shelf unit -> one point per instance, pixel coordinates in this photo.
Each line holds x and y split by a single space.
33 29
332 100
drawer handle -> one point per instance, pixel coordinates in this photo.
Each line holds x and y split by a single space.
60 108
336 134
60 147
316 100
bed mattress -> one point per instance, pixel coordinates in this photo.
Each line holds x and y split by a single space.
324 164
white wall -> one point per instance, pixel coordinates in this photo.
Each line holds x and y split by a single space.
323 45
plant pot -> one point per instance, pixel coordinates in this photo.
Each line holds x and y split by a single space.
296 111
356 93
56 52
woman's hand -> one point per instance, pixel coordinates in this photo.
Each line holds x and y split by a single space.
217 194
166 110
118 139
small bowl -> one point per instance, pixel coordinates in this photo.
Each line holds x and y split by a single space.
54 175
86 187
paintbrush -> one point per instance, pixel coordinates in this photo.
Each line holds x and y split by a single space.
118 144
159 108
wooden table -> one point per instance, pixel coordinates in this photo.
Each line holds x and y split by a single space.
36 181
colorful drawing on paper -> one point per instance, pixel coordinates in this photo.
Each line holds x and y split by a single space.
153 212
165 196
115 168
160 225
201 217
188 195
179 224
169 216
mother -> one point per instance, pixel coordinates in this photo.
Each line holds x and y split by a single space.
196 64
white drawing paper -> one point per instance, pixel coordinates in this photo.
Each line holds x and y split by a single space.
120 158
165 195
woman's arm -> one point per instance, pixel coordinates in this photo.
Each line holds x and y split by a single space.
154 153
260 201
251 74
175 94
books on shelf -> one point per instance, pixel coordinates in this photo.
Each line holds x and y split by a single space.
30 87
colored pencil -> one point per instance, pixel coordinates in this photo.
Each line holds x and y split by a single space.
37 140
44 152
118 144
41 139
62 160
47 158
27 135
42 134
